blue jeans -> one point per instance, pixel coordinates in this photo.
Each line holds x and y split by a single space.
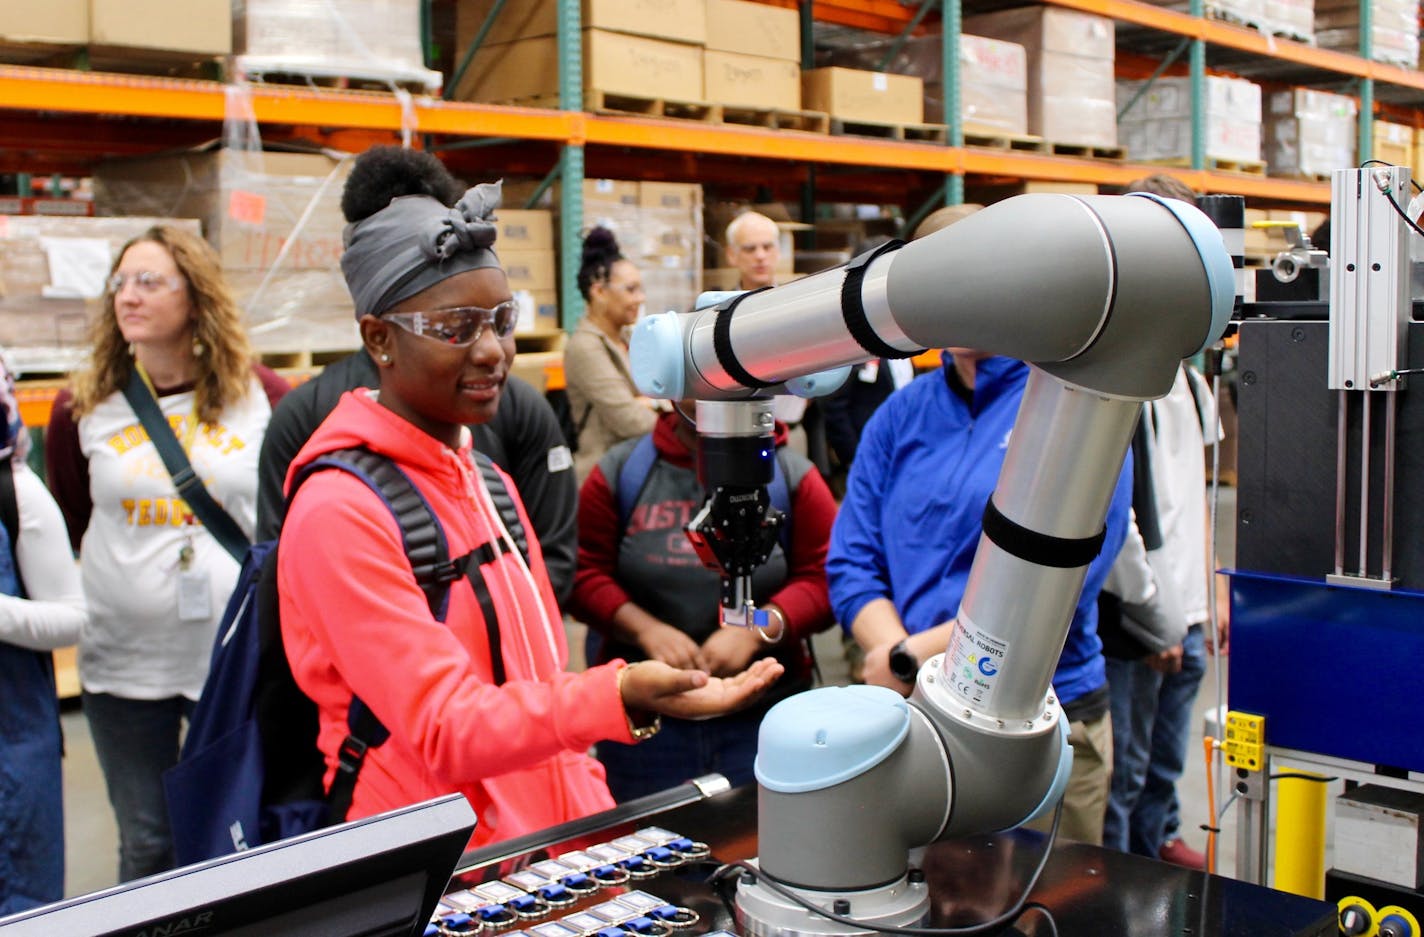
1152 716
681 751
136 741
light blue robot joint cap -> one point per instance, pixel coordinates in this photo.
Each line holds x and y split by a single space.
824 737
655 353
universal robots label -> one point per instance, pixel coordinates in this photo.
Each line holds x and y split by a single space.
973 662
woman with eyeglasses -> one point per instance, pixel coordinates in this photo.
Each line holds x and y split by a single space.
154 576
604 401
436 315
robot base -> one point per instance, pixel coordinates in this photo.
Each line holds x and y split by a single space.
762 912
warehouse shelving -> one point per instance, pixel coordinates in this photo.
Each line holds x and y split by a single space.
61 120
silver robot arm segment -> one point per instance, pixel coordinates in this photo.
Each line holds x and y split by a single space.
1104 296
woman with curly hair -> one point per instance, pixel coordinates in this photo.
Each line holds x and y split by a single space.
606 405
155 579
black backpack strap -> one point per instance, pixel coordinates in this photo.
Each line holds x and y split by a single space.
503 503
429 555
474 563
190 487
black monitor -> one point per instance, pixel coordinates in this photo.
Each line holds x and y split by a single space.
377 877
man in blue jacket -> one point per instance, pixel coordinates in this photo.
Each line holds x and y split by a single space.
905 538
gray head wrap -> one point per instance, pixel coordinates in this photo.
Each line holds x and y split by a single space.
414 243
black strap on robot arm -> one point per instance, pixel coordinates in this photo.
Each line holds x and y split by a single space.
853 308
722 343
1040 548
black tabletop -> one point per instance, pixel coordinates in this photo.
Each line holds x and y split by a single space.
1090 891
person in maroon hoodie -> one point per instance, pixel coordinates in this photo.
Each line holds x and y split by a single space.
642 589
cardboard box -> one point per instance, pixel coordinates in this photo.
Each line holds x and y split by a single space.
57 22
1070 55
855 95
677 20
993 86
520 230
613 63
1377 835
535 271
538 312
378 40
52 273
670 196
1158 124
204 28
1393 143
753 29
989 194
751 81
250 204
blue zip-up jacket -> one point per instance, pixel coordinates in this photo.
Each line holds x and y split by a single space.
911 518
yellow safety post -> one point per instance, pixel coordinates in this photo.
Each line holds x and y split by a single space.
1300 834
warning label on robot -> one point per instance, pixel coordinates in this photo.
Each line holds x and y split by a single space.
973 662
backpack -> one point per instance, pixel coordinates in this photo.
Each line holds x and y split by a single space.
633 477
571 428
250 771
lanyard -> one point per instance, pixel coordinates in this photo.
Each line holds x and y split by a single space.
190 426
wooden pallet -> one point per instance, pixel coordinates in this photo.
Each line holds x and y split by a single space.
775 119
43 54
1088 150
603 102
1248 167
919 133
995 140
340 82
1303 176
162 62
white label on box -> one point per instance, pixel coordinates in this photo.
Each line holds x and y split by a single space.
879 82
78 267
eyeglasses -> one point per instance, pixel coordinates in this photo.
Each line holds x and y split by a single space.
462 325
145 281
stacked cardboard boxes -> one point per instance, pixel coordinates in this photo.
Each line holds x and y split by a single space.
658 226
275 220
1071 95
52 272
34 28
753 57
1159 124
526 251
1394 29
993 77
1393 143
651 49
1310 133
1293 18
372 39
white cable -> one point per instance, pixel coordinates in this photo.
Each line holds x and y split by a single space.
1213 621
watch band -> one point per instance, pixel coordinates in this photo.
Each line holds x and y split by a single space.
904 666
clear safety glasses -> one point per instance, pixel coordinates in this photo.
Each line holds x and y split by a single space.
461 325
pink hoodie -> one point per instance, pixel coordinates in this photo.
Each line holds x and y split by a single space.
354 620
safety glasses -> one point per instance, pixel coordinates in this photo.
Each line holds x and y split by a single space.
461 325
145 281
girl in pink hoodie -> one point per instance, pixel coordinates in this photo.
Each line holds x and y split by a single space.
437 316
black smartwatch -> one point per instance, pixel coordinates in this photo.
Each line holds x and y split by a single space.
903 665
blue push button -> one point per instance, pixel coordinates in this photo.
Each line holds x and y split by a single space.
578 880
607 871
460 923
682 844
612 932
634 863
494 914
432 930
524 904
556 894
661 854
666 913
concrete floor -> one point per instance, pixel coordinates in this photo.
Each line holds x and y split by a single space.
91 837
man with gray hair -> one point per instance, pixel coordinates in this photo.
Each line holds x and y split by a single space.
754 248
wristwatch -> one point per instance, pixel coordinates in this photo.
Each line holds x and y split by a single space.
903 664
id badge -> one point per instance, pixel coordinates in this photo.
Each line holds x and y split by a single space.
195 595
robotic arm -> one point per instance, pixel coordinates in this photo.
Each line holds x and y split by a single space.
1103 296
